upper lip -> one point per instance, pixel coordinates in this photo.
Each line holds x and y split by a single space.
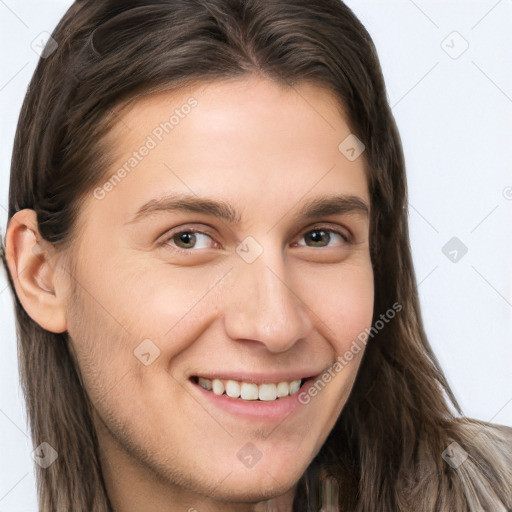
258 378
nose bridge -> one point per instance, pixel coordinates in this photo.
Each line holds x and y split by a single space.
263 306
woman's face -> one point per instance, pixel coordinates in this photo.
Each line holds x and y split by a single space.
240 274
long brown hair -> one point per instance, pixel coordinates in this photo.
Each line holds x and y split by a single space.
385 451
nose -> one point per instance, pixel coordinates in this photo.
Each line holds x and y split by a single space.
264 307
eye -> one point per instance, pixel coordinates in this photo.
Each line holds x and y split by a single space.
184 240
321 237
187 239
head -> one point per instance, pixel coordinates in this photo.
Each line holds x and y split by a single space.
215 190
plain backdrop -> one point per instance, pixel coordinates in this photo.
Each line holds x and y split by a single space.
449 79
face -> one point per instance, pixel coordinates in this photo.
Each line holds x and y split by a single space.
225 252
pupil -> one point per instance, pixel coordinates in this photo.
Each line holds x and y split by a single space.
186 238
317 237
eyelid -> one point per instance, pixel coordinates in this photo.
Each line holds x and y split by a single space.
343 230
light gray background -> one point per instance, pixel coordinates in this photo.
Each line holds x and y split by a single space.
454 115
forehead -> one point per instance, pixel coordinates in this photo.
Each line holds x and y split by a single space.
233 139
241 109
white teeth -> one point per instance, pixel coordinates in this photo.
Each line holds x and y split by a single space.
232 388
267 392
217 386
283 389
248 390
294 386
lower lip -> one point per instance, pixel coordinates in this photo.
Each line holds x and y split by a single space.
275 410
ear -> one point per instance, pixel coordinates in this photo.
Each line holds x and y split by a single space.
33 265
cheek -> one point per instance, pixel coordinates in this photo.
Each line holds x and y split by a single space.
100 343
111 322
164 303
344 301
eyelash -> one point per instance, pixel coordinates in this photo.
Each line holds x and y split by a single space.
346 238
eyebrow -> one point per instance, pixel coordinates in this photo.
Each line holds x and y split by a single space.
320 206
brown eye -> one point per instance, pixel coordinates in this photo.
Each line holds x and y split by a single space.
322 237
188 239
318 237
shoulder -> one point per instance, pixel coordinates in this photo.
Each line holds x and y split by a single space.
481 457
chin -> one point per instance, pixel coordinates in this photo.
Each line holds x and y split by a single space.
245 490
259 483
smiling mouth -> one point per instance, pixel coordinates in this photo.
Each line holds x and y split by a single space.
249 391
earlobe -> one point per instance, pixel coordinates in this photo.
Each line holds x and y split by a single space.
33 265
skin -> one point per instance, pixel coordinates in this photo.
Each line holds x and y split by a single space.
266 150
